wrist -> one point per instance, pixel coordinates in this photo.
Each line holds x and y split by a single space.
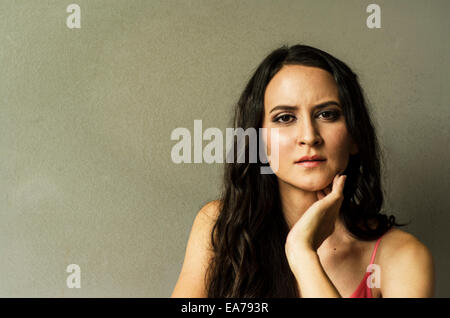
297 247
303 262
299 254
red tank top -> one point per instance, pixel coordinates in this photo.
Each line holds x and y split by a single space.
363 290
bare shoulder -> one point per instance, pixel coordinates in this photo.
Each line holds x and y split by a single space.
204 222
191 282
210 211
396 242
407 266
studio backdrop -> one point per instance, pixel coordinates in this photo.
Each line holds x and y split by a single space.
92 201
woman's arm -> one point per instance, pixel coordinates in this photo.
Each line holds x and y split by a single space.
305 237
191 282
311 278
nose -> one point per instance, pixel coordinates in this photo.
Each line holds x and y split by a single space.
308 133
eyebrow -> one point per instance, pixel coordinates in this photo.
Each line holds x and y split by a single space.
319 106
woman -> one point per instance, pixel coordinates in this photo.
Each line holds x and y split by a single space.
312 228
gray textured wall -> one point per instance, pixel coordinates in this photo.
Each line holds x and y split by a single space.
86 175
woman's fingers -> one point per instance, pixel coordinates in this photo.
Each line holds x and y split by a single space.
322 194
337 186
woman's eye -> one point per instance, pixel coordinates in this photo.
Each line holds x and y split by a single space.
327 115
286 116
330 114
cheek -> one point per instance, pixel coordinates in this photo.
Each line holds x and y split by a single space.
284 142
338 141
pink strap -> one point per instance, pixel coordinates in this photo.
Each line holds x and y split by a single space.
375 250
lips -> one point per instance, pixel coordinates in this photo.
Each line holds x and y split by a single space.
309 161
310 158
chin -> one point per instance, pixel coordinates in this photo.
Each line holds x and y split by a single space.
305 185
309 183
311 187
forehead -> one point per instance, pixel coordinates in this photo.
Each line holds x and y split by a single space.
300 85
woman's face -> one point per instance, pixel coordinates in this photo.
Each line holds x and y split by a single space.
304 129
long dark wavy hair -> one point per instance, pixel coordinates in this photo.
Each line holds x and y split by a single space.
249 235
